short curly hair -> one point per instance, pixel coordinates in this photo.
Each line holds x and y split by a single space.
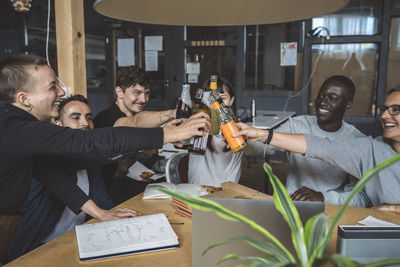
14 75
130 76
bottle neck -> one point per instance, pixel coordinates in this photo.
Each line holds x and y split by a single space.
185 96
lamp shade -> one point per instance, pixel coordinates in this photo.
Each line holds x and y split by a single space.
216 12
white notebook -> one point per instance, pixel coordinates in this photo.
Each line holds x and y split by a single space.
125 236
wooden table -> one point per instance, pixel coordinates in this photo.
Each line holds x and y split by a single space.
63 250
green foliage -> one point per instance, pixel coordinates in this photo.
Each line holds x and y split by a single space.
310 242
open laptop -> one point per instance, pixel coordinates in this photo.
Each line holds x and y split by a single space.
208 228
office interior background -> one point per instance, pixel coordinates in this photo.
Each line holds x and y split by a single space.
361 41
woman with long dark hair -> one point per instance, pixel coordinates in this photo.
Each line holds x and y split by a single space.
219 164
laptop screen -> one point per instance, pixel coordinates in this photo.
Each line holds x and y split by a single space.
208 228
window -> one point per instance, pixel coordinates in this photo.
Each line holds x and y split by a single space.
353 51
215 48
360 17
263 70
394 55
355 61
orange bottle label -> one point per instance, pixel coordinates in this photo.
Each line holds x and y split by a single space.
213 85
215 105
227 130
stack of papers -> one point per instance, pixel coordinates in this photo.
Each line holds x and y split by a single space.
152 190
125 236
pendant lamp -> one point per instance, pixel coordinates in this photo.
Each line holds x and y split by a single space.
216 12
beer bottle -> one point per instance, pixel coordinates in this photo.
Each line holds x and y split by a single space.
184 110
228 127
215 94
216 97
198 144
184 107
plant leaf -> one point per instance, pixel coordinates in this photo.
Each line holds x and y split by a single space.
260 264
386 262
255 261
264 246
210 205
316 228
343 261
324 242
285 205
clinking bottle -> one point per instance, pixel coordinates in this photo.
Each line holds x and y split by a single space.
184 109
216 96
198 144
228 126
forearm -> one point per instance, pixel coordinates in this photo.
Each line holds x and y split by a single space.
147 119
60 182
172 134
340 197
93 210
291 142
390 207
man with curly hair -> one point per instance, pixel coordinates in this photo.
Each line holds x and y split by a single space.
132 92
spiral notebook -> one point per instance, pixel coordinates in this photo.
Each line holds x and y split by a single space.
125 237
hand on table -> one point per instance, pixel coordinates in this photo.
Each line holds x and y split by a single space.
307 194
109 215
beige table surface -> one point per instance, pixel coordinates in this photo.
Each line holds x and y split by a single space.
63 251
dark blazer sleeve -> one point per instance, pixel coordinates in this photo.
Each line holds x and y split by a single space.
58 179
47 138
97 189
85 161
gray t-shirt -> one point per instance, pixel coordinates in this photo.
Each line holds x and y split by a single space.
214 168
357 156
332 182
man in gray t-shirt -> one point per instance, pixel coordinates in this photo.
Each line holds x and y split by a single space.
355 156
311 179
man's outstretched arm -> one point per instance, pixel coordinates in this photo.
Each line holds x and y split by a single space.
147 119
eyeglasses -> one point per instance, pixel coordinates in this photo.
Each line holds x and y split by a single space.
393 109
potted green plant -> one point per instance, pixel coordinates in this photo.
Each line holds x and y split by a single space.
310 241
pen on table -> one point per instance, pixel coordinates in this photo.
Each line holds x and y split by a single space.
180 223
